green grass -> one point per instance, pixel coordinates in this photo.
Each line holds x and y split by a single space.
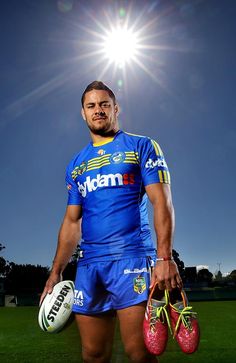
21 340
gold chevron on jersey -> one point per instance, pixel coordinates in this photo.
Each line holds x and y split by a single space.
98 162
131 157
157 148
164 176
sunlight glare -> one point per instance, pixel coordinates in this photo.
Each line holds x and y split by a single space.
120 46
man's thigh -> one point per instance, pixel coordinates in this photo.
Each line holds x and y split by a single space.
131 323
131 329
97 333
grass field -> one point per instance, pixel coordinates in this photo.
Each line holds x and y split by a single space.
21 340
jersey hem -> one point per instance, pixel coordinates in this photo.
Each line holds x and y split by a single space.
82 262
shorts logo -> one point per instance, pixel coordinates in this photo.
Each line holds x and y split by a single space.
78 298
139 284
135 270
160 162
117 157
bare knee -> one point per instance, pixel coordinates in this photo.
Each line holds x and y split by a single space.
137 355
91 354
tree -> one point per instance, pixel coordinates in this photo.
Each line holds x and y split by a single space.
25 278
204 275
218 276
4 266
179 263
70 270
232 275
2 247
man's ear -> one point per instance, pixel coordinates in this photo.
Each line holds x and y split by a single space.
117 109
83 114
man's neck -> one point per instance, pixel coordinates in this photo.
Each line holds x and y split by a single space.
102 138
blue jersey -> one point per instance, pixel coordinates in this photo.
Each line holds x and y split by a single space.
108 180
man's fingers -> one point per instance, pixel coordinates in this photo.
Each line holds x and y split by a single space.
47 290
166 276
179 282
153 281
42 298
167 284
170 283
53 279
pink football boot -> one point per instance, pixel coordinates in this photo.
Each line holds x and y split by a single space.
183 321
156 321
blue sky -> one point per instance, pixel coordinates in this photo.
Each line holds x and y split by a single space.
185 100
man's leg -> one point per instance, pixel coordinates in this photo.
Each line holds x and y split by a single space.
97 334
131 328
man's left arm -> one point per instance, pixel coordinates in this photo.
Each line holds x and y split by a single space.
165 272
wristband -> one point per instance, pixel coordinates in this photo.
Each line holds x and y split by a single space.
165 259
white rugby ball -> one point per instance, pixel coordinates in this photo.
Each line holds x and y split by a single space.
56 307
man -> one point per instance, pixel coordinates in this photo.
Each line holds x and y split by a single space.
108 183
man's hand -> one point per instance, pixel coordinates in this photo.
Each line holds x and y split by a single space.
166 275
69 235
51 282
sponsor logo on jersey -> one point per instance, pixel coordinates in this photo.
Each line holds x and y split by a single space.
139 284
78 298
160 162
82 168
107 180
117 157
101 152
79 170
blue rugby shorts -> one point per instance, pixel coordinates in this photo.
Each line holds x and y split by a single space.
111 285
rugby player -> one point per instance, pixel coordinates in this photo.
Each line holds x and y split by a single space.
108 184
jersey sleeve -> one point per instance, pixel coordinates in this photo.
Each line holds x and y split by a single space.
74 197
154 168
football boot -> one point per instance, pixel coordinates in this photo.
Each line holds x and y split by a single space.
184 323
156 321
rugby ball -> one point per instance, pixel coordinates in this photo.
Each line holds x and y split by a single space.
56 307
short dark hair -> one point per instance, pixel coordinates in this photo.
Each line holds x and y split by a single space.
98 85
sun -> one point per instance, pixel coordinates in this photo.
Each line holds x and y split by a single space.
121 46
122 43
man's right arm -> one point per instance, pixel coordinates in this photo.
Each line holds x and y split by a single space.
68 238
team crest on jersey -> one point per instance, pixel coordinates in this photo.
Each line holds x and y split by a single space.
139 284
117 157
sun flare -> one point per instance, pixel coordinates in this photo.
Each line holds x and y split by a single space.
120 46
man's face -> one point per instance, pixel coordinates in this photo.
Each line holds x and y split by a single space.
100 112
